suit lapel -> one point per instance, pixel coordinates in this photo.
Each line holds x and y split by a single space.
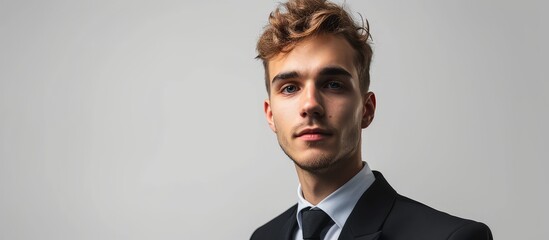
289 227
370 212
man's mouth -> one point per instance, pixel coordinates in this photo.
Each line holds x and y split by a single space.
313 134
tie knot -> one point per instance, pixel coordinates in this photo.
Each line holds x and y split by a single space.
313 221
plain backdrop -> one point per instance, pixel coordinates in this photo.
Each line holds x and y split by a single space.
128 119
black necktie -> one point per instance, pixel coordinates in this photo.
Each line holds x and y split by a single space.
314 220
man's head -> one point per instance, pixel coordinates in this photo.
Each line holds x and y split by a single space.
297 20
316 65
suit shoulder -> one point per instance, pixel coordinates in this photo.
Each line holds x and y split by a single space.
472 231
267 230
418 219
412 209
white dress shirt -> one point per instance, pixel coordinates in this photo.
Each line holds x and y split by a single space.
339 204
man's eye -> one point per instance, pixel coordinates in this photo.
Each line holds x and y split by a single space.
334 85
289 89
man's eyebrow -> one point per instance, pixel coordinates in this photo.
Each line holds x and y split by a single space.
330 71
285 76
327 71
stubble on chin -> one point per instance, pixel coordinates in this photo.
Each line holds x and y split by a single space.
316 163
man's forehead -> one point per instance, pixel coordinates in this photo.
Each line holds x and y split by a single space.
312 55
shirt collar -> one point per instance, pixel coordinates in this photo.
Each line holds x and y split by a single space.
339 204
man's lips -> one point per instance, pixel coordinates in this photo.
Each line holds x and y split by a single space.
313 134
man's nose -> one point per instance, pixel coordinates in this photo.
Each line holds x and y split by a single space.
312 105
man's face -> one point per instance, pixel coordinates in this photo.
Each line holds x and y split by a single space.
315 105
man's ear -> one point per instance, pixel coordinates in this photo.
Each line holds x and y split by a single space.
368 109
269 114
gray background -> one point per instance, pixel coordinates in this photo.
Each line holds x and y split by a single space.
143 119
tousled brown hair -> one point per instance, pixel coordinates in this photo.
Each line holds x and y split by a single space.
296 20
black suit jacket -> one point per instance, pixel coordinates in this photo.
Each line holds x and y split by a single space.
381 213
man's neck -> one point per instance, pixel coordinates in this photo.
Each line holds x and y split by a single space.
318 185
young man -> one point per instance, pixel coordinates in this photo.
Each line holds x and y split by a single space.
316 63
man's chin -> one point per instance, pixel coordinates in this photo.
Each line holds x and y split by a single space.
311 159
316 164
